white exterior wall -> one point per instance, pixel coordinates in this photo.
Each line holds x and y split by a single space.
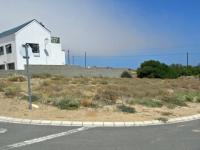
35 33
8 58
32 33
56 55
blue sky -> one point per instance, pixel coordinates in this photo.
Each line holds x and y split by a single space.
140 29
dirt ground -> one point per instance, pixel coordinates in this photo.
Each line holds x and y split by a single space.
14 105
19 109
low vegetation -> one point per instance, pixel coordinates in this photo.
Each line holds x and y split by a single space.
34 97
126 74
123 94
3 85
107 96
17 78
12 91
147 102
162 119
155 69
67 103
42 75
126 109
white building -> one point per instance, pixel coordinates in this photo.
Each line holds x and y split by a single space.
43 49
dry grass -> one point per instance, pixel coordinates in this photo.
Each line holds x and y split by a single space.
17 78
93 93
107 91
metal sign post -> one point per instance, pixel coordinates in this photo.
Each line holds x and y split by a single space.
28 75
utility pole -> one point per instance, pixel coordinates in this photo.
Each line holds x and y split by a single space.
187 59
73 60
28 75
85 59
68 57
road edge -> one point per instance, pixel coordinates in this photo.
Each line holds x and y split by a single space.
98 124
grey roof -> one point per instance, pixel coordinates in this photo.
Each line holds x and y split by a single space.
14 30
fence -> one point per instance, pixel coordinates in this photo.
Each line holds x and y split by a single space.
68 71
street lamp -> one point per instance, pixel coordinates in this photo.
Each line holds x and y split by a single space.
28 74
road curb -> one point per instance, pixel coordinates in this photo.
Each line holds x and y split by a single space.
98 124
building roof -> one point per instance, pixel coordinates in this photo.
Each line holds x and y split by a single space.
14 30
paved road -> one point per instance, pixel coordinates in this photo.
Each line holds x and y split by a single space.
182 136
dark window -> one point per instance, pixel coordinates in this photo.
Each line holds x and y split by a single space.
35 47
8 49
2 67
1 50
11 66
55 40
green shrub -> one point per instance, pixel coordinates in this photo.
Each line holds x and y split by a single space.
188 98
126 74
147 102
34 97
155 69
17 78
68 103
126 109
174 101
12 91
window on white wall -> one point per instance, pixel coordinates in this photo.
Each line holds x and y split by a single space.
8 49
35 47
2 67
1 50
11 66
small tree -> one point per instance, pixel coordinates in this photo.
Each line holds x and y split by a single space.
126 74
155 69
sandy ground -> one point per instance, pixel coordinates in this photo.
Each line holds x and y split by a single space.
19 109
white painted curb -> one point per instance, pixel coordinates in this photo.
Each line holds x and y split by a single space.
97 124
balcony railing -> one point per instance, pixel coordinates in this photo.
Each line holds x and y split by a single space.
55 40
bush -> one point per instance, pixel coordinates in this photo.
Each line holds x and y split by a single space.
198 99
34 97
12 91
172 102
86 102
17 78
41 75
167 113
106 96
147 102
126 74
162 119
3 85
155 69
68 103
103 82
45 83
126 109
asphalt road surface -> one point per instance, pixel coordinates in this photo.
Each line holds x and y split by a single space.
181 136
